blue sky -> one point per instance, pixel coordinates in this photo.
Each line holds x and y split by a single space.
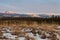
35 6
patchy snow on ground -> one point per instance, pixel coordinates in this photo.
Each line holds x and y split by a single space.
8 35
21 38
58 27
29 35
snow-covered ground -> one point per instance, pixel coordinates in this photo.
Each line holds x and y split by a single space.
10 36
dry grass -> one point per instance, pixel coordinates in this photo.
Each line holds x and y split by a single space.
45 26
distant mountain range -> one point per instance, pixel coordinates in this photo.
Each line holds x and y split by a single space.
24 15
13 15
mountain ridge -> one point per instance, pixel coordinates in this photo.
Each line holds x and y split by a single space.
25 15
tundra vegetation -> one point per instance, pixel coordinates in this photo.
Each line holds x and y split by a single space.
29 28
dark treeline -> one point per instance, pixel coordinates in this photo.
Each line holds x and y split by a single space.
53 19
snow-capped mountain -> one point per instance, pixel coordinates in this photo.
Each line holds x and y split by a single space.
13 15
25 15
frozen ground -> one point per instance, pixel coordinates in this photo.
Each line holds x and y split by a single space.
31 34
9 36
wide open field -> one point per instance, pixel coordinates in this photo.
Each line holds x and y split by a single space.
23 28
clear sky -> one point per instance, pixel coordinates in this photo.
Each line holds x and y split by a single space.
35 6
